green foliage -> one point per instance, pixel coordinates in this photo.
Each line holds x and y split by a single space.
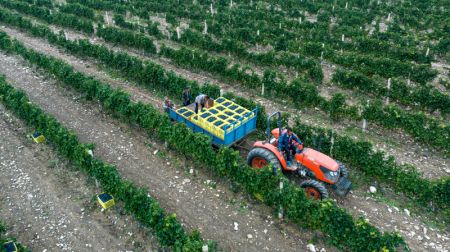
425 96
325 216
360 154
137 201
337 106
301 93
59 18
78 10
126 38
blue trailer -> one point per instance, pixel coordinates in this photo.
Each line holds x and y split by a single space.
233 132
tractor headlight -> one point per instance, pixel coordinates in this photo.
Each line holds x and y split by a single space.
329 174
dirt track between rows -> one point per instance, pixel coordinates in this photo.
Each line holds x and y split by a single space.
199 206
47 205
432 163
358 203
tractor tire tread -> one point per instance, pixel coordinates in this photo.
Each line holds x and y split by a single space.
343 169
266 154
318 185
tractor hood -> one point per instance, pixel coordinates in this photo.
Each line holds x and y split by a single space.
320 159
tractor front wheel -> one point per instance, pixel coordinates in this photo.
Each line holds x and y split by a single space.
314 189
260 157
342 170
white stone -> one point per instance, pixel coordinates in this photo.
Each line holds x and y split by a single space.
236 226
372 189
249 236
425 230
191 171
205 248
156 151
311 247
407 212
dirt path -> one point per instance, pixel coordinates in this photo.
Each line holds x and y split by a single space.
357 203
213 210
48 205
432 163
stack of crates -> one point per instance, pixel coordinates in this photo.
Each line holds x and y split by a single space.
223 117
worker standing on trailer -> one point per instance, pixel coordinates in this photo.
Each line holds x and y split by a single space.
288 142
187 96
200 102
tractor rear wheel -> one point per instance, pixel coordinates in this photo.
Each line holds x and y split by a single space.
261 157
314 189
343 170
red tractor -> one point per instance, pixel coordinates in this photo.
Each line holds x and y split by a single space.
318 167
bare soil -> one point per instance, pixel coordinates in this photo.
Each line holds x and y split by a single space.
48 205
431 162
356 203
212 210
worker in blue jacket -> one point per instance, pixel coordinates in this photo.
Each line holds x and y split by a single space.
289 142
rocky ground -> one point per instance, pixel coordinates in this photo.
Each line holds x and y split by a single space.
359 203
199 201
49 206
431 162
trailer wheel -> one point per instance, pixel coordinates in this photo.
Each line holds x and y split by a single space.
261 157
343 170
314 189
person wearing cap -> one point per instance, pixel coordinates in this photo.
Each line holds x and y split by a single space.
288 142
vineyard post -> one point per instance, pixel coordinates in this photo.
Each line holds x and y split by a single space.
107 18
428 52
205 28
280 213
343 38
221 92
389 17
388 90
262 89
300 20
364 122
346 5
178 33
231 4
212 10
332 143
